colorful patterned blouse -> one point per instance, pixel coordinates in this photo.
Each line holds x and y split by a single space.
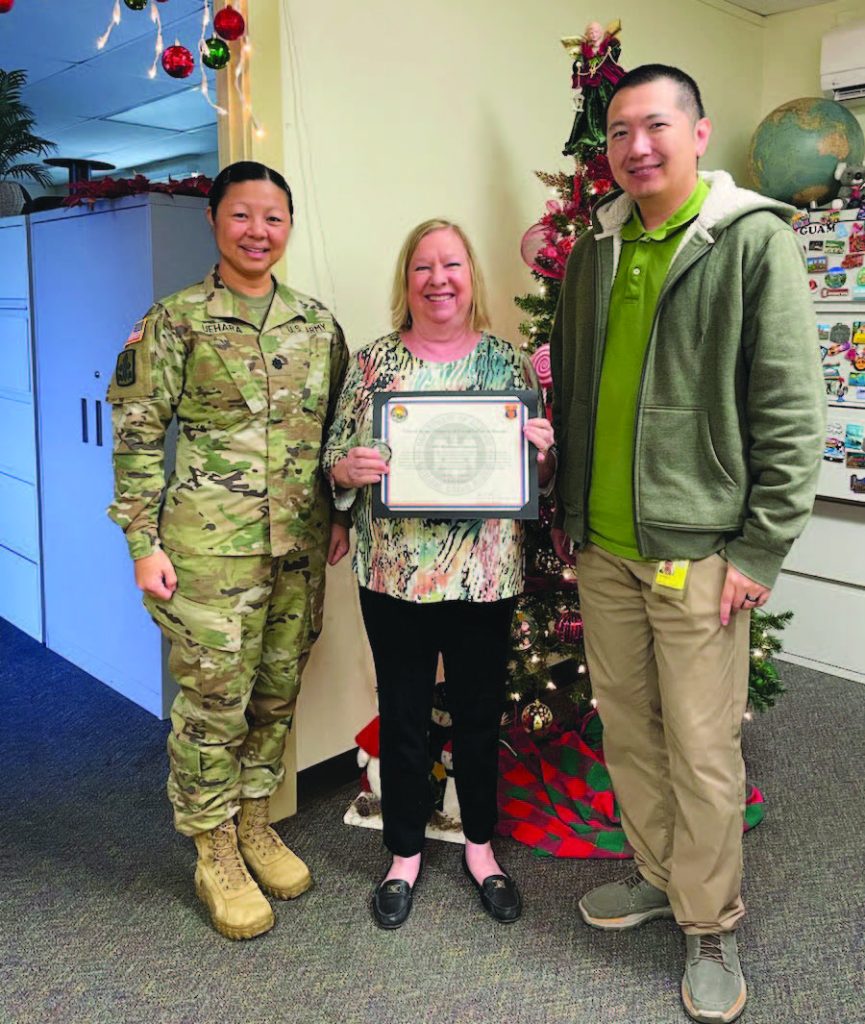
427 560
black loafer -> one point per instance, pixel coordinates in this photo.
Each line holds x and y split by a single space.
499 895
391 902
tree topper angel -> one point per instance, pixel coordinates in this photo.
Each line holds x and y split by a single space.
596 70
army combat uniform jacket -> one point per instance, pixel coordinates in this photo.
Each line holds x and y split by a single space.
252 406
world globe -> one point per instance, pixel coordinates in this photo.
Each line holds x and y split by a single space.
795 150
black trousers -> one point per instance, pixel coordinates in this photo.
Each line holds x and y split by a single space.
406 639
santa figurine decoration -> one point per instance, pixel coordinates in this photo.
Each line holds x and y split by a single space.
368 753
365 809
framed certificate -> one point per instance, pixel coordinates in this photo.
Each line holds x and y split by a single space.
456 454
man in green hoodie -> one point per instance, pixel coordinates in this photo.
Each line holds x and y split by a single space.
689 409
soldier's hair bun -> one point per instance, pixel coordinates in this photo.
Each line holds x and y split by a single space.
246 170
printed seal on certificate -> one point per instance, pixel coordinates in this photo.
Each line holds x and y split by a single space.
456 454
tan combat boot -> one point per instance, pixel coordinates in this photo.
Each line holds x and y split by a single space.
278 870
237 907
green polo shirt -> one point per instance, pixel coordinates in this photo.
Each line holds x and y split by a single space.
643 264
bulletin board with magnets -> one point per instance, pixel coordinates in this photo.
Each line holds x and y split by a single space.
833 244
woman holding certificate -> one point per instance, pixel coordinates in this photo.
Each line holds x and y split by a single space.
430 586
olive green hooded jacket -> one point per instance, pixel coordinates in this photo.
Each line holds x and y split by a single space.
731 407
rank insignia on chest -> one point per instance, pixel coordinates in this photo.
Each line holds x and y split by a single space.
137 332
125 371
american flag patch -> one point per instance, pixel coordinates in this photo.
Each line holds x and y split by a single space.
137 332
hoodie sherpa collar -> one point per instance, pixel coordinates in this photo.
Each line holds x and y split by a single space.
725 203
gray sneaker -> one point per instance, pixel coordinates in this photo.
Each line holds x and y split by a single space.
713 988
624 904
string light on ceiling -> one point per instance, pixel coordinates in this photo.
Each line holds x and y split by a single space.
223 40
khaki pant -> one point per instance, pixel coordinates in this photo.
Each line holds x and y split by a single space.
672 686
240 630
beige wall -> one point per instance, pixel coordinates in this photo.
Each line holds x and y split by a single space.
791 52
396 112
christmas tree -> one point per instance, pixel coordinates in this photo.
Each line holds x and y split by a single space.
547 656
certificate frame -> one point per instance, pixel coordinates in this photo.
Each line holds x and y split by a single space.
515 464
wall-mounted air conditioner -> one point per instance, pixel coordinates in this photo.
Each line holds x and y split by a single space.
842 62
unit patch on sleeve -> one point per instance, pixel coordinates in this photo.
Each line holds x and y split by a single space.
125 371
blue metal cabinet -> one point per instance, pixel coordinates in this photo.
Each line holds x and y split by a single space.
20 593
95 272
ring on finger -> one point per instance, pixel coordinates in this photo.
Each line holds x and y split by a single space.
382 448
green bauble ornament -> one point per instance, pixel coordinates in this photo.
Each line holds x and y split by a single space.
136 5
216 53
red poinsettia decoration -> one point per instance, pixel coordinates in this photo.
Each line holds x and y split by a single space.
116 188
598 168
547 244
593 181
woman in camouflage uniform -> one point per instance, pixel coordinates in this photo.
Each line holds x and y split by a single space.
230 554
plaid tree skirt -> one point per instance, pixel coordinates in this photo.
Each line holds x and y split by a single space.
557 796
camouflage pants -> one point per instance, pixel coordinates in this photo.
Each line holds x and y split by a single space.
240 630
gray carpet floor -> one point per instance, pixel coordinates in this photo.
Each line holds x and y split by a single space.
99 922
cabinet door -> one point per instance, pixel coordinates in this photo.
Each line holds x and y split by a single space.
15 353
17 423
14 283
92 281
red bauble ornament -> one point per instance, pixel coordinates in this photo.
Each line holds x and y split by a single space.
569 628
178 62
6 6
229 23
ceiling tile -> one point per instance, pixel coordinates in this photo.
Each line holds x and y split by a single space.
180 111
163 146
102 103
99 139
767 7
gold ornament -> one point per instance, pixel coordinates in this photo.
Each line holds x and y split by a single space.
536 718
